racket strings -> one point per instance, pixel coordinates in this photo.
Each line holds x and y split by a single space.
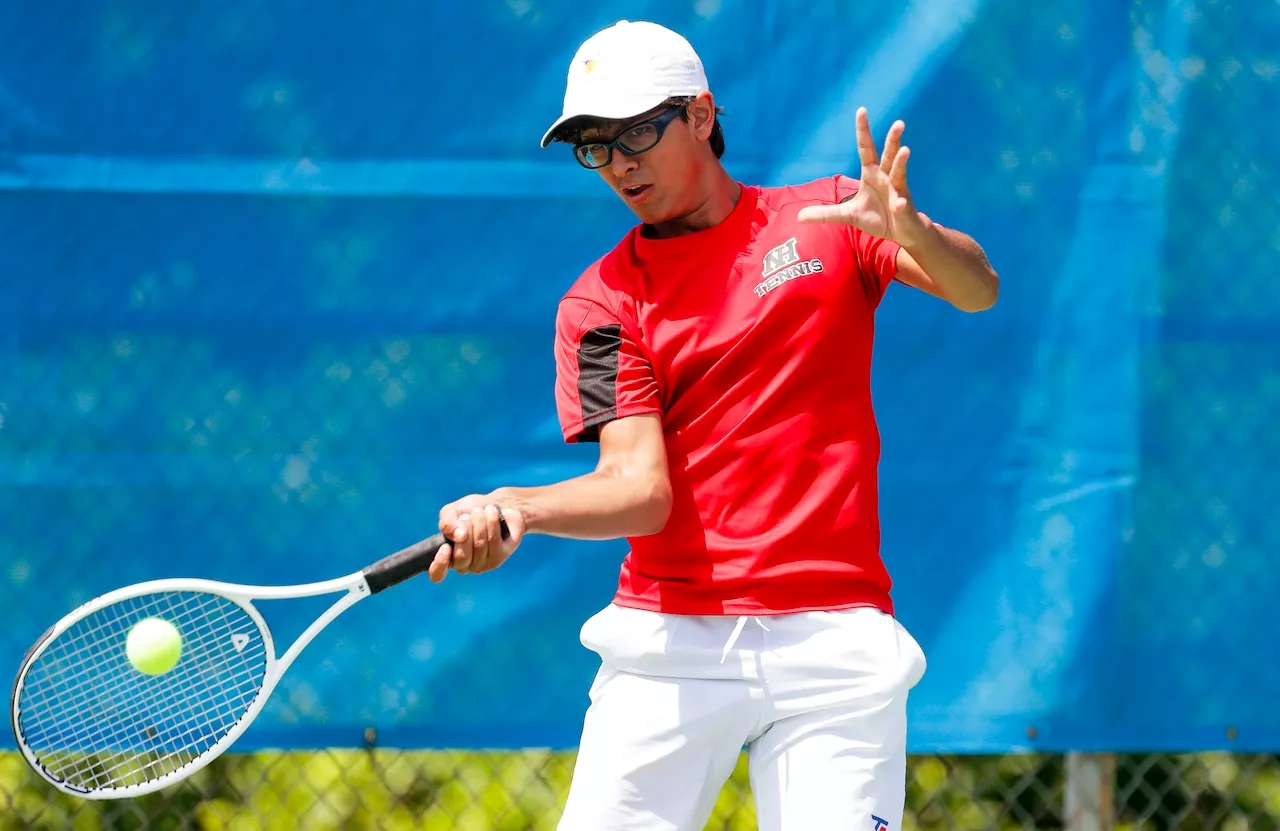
89 698
95 722
110 713
129 707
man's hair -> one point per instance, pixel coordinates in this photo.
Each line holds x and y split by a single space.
573 134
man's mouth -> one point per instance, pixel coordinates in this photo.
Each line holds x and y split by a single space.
635 191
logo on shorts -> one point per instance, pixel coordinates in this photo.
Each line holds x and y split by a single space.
782 264
880 825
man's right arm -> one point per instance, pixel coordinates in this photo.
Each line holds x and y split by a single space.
627 495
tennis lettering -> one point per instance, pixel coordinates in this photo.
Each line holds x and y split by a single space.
813 266
783 263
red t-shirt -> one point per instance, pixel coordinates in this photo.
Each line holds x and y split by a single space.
752 339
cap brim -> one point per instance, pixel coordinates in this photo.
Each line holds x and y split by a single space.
618 110
560 124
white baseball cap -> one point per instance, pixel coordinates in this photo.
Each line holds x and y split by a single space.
626 70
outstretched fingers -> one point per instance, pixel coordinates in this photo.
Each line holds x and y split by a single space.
821 213
898 172
866 144
891 144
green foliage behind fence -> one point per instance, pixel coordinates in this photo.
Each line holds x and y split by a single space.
355 790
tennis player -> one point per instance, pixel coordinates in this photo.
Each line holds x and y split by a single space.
721 357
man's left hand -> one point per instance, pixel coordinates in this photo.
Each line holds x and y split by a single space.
882 206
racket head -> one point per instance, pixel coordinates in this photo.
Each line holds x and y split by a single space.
94 726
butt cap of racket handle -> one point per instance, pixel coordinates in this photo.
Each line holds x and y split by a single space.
410 562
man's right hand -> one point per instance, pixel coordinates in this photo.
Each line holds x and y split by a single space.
474 525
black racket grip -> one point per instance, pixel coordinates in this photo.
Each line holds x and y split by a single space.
405 563
410 562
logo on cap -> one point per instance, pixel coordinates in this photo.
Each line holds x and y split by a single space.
588 66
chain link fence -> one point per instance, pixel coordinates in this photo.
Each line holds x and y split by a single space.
363 790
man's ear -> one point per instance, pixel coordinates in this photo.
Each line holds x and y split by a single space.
702 115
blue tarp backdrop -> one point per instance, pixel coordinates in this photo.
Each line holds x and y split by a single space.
278 279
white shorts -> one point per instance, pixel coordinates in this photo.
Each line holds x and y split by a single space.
818 698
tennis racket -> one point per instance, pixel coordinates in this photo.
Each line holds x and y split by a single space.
94 726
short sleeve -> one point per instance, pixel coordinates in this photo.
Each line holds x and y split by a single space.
877 257
601 373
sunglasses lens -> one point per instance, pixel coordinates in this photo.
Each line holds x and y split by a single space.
592 155
639 138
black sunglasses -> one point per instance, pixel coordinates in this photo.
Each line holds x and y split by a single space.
633 141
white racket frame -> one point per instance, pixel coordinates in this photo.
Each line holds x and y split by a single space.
355 586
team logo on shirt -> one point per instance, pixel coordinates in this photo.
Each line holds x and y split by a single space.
880 825
782 264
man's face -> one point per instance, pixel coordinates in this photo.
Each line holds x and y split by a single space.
658 184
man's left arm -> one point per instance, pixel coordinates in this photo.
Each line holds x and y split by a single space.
950 265
938 260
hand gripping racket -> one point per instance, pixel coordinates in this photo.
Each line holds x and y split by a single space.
94 726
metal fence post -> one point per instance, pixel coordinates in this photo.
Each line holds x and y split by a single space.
1090 793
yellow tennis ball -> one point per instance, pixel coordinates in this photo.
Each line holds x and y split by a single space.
154 646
